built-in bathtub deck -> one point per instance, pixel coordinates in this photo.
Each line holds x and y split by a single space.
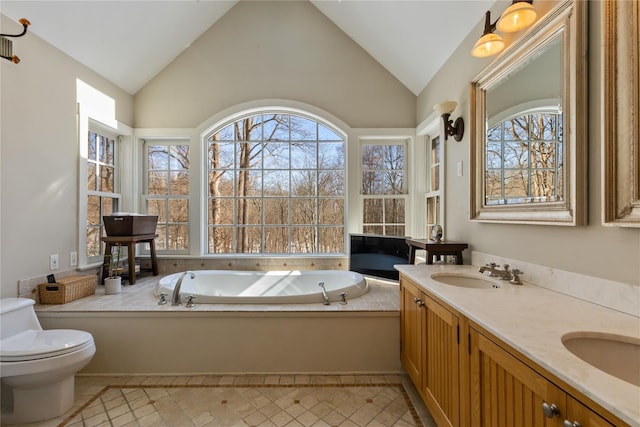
381 297
136 336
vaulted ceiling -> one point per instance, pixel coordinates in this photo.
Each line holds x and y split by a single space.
129 42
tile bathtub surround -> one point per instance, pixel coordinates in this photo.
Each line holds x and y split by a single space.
245 400
167 265
618 296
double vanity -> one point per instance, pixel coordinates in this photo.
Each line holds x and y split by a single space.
485 352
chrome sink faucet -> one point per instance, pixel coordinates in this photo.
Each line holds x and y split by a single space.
175 298
513 276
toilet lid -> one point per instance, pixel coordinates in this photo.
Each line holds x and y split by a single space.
32 344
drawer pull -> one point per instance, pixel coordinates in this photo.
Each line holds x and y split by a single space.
550 411
568 423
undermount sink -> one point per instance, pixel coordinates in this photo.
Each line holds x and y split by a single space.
465 280
614 354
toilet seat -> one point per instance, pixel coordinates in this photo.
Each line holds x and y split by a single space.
42 344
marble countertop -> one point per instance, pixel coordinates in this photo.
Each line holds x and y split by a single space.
533 320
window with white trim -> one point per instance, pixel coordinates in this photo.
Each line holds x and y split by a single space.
433 195
167 192
103 187
384 189
276 184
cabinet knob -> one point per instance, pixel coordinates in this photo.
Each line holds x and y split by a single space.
420 303
416 299
550 411
568 423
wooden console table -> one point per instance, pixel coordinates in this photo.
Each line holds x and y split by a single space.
130 242
435 249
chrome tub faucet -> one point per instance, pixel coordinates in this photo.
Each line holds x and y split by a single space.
325 297
175 298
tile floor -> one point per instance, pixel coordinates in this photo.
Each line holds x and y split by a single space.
244 400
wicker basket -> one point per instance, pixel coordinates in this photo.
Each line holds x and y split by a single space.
67 289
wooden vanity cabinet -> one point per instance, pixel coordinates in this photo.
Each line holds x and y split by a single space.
583 416
507 392
430 338
412 317
468 377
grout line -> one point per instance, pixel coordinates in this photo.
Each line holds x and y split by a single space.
399 386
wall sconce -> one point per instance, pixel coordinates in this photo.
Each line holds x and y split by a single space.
6 45
456 130
516 17
490 43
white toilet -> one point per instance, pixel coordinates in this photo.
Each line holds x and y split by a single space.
37 367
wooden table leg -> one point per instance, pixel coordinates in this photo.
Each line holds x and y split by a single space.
131 259
412 255
154 262
106 262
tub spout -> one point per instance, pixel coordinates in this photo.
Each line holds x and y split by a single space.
325 297
175 299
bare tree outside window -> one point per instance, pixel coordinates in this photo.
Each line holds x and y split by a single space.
276 185
524 158
102 188
383 188
168 193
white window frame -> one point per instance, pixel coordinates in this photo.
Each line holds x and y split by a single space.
84 193
386 141
432 128
145 197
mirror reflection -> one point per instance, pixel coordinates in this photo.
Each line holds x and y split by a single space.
524 145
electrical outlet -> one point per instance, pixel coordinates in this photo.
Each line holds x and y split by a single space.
53 262
73 259
459 168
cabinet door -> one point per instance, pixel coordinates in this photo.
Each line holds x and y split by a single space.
411 319
440 385
506 392
579 415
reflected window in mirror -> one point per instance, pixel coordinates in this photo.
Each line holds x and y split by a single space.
524 159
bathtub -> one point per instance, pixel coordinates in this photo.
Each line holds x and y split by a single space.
264 287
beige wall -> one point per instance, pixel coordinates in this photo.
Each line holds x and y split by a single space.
39 156
281 50
594 250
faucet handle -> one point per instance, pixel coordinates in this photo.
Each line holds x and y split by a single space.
506 267
190 302
163 299
492 265
515 277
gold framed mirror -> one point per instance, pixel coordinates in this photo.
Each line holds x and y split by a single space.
621 105
528 126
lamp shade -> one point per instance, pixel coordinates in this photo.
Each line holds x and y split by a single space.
516 17
487 45
446 107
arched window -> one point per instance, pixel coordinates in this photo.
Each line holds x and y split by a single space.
276 185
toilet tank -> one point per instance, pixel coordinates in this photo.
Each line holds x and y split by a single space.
17 315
